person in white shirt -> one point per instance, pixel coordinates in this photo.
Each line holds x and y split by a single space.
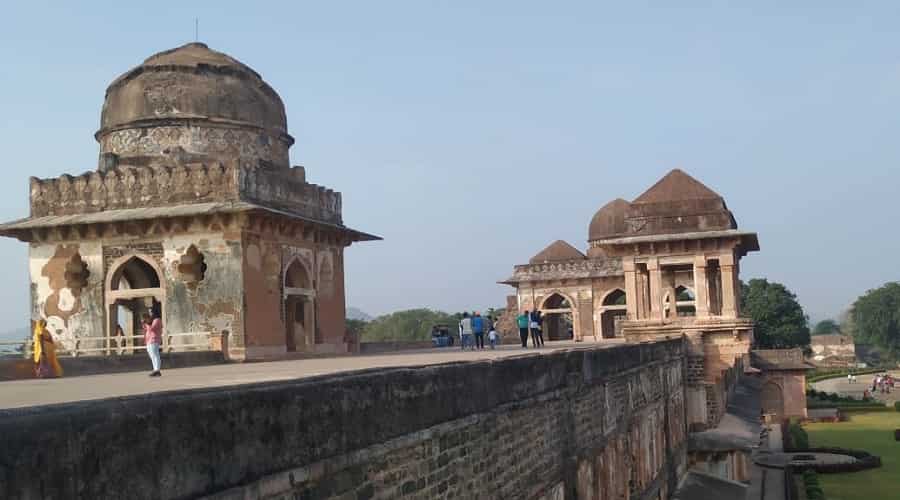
465 331
493 337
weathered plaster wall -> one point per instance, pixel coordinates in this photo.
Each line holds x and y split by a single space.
215 303
69 313
587 423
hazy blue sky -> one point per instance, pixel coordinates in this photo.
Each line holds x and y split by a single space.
472 134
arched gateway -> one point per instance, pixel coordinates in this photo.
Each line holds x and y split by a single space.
133 288
558 321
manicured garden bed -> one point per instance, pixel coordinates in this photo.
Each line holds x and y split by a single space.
869 431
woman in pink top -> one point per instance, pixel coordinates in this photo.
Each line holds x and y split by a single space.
152 339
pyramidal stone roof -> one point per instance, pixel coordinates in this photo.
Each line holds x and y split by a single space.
677 186
557 251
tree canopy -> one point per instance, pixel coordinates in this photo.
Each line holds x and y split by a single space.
780 320
875 317
826 326
410 325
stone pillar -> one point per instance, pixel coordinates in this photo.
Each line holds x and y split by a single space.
729 282
669 288
701 292
583 325
656 295
631 289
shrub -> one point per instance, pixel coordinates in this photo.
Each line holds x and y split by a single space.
897 405
811 484
864 460
798 438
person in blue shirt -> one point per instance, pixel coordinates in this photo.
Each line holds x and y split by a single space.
478 330
522 322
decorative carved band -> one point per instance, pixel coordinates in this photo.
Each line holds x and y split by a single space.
124 187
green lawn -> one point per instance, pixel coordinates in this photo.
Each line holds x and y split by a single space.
872 432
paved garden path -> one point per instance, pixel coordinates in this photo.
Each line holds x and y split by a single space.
841 386
24 393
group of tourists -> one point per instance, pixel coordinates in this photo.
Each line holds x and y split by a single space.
531 322
46 362
883 383
472 330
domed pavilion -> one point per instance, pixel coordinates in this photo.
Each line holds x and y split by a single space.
193 214
662 265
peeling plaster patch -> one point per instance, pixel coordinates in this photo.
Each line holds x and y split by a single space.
219 315
66 300
60 332
60 302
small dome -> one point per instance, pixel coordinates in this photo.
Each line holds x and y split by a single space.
193 84
609 221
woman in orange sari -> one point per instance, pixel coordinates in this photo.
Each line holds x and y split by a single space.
45 363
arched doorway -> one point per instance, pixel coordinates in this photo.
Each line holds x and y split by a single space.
613 310
133 288
772 400
299 312
557 311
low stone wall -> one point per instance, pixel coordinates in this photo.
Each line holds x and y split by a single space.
380 347
586 423
17 368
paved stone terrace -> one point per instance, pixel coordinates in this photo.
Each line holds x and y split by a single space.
37 392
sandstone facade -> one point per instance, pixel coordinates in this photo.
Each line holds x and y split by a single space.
664 265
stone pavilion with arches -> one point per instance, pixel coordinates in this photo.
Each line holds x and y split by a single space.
664 265
193 213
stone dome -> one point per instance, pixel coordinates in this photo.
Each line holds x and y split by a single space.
609 221
195 95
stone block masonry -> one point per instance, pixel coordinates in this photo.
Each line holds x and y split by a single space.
589 423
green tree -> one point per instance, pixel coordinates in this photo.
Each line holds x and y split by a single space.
355 326
876 318
826 326
780 321
410 325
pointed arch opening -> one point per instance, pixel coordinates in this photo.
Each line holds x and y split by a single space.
772 400
296 276
133 289
558 323
299 295
612 311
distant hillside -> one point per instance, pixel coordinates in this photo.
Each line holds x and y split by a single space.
354 313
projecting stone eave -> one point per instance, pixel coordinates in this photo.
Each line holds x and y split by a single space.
25 229
749 241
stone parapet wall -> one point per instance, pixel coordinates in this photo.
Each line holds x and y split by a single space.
133 187
287 189
586 423
125 187
574 269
